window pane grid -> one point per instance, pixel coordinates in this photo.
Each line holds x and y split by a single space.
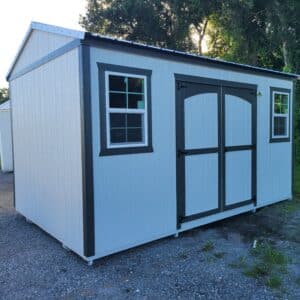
127 117
126 128
280 115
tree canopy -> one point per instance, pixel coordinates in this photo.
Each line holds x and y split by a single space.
263 33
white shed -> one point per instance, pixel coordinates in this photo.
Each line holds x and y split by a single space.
117 143
6 156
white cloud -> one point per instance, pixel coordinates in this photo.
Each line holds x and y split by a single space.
15 17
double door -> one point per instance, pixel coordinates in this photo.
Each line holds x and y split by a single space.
216 147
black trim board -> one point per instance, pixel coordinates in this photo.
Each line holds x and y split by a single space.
214 82
87 152
271 138
173 55
104 150
45 59
293 136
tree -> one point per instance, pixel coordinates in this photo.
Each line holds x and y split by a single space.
168 23
3 95
148 21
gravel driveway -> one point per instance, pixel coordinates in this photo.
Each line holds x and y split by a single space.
199 264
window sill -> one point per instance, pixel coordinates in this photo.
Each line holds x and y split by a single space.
280 140
126 150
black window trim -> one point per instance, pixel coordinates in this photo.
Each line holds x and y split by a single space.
104 150
282 139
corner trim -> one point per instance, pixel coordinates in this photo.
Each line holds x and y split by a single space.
104 151
293 137
271 138
12 146
87 152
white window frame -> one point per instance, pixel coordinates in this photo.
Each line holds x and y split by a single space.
287 116
109 110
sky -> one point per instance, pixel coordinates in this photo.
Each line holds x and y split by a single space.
15 18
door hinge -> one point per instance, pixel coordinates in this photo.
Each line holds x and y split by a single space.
180 85
181 152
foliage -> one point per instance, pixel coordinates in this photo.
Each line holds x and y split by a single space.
274 282
269 265
3 95
208 246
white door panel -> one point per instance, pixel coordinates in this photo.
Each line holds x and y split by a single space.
201 121
237 121
238 176
201 183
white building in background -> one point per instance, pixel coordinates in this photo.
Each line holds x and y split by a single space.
6 157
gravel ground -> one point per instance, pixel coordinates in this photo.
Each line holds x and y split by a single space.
34 265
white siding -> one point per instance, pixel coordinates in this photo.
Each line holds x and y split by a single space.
39 44
5 142
47 148
135 195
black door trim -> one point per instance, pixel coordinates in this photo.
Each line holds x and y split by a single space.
239 148
198 151
214 82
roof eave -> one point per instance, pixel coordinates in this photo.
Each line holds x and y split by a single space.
103 40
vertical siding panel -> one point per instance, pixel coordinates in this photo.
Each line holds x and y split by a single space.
47 147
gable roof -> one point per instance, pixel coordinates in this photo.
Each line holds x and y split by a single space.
76 34
153 50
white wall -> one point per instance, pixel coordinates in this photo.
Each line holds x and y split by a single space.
6 158
135 195
39 44
47 148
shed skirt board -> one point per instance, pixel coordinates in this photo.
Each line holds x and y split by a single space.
216 148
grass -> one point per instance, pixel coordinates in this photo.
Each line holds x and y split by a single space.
274 282
269 255
268 264
265 262
208 246
239 263
260 269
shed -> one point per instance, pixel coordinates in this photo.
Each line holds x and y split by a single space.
117 143
6 157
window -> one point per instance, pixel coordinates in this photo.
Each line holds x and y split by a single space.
125 111
280 115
